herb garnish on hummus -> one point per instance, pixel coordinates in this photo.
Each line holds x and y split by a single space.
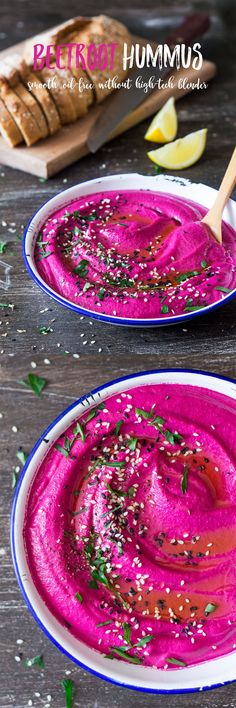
130 526
135 254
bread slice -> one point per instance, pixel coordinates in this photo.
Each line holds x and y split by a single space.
81 99
105 30
34 84
60 94
82 94
9 69
20 113
8 128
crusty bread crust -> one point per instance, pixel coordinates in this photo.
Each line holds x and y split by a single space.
33 107
20 113
16 70
10 71
61 34
8 127
103 30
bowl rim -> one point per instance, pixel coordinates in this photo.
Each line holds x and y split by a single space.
176 185
90 400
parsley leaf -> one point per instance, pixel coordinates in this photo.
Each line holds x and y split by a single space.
3 246
35 661
36 383
78 596
184 480
82 268
68 688
177 662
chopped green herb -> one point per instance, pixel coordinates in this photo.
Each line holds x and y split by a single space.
172 437
118 427
6 304
93 584
14 479
78 596
118 492
114 464
164 309
184 480
44 255
3 246
177 662
144 414
67 684
194 308
103 624
132 443
223 290
185 276
36 383
78 430
35 661
158 421
45 330
86 287
142 642
127 631
203 264
101 293
124 655
210 607
21 456
82 268
76 231
158 170
62 450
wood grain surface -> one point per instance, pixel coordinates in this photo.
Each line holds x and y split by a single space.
82 353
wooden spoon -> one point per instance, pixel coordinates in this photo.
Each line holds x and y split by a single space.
213 218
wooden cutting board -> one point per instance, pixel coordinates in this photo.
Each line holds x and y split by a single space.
51 155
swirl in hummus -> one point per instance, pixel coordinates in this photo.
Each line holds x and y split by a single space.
137 254
130 526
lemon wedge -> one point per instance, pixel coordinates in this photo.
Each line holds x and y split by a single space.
163 127
182 152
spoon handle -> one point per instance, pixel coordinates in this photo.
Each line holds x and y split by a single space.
227 184
214 215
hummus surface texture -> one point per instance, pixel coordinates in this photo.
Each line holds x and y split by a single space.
130 527
135 254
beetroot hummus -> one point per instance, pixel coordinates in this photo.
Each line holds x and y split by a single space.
130 528
135 254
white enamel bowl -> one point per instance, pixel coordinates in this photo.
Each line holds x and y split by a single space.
204 676
198 193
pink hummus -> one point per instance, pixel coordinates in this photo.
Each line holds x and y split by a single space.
135 254
130 526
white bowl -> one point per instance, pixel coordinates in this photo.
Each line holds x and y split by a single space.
210 674
198 193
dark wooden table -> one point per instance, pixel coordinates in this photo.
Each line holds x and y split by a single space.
78 354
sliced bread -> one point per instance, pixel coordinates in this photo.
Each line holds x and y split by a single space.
8 128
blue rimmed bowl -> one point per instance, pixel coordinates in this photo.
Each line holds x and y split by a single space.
207 675
198 193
